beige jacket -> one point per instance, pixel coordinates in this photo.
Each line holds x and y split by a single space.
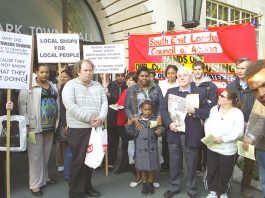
29 106
255 126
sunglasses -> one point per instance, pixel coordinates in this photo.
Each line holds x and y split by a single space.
222 96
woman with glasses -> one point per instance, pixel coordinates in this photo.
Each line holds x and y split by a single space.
225 124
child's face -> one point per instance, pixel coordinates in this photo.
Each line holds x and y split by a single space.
146 110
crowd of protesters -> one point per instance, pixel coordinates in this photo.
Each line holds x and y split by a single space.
151 139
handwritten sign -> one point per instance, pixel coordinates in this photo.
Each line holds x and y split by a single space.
15 60
58 48
107 58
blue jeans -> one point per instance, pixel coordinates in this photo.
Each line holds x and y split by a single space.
260 155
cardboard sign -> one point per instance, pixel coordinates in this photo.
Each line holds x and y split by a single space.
58 48
15 60
107 58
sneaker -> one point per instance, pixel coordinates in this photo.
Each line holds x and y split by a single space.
223 196
156 184
212 194
60 168
135 183
246 192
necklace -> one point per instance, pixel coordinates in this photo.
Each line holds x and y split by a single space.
223 112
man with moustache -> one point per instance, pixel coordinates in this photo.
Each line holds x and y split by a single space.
255 132
86 106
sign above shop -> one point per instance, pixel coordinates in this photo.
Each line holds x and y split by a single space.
58 48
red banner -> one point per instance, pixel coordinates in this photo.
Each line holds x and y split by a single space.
217 47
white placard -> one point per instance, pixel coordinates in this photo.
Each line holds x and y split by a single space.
58 48
15 60
107 58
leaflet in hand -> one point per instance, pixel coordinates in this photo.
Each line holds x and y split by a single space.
116 107
208 141
177 111
250 153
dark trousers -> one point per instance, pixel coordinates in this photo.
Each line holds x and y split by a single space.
165 154
176 152
80 174
247 173
113 142
219 172
124 144
202 158
2 175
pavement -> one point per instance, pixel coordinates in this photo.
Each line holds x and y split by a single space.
112 186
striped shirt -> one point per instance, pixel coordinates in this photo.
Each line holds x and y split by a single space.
81 102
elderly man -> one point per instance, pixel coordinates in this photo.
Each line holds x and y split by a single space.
246 98
86 106
255 132
184 142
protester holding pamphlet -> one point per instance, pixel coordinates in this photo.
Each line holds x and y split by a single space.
225 126
182 111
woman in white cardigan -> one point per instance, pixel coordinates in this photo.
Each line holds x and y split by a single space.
226 125
171 79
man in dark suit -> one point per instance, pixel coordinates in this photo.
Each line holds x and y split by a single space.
113 91
184 142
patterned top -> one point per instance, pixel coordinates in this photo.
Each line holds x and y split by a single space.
48 109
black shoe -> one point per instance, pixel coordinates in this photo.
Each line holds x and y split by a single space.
145 189
169 194
37 193
121 170
51 181
151 189
93 193
193 196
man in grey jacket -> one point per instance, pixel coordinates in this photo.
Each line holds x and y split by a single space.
255 132
86 106
246 98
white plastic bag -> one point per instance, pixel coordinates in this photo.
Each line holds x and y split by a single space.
18 133
96 147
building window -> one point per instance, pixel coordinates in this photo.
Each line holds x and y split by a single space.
218 14
80 19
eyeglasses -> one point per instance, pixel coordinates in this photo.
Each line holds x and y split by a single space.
222 96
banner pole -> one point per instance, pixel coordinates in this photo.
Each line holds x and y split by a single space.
59 75
8 146
106 125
